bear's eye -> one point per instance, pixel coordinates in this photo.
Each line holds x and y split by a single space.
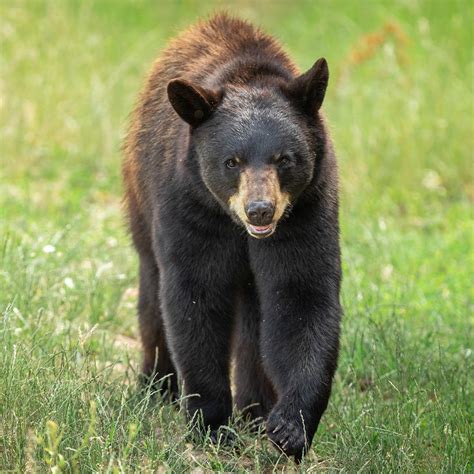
232 163
283 161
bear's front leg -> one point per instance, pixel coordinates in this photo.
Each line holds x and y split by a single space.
198 297
299 287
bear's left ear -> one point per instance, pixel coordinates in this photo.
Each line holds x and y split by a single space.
308 90
192 103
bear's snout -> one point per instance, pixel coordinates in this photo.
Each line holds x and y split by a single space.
260 213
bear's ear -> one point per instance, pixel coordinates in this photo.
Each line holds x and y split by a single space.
192 103
308 90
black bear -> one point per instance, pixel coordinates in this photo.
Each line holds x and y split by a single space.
232 199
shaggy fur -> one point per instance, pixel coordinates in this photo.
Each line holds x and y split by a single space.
226 125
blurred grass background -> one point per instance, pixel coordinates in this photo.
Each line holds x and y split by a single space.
400 105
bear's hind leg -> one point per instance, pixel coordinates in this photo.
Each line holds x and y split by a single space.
158 367
254 395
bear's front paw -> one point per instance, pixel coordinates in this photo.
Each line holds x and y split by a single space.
222 436
287 433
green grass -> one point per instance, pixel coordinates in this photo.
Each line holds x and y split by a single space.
402 120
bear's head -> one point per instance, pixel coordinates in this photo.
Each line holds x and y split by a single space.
257 144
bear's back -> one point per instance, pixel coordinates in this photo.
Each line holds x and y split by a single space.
198 53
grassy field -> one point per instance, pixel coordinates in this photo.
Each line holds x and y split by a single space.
400 104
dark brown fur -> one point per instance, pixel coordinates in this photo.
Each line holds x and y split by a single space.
203 281
201 49
195 54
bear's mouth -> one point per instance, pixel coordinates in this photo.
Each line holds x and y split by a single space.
260 231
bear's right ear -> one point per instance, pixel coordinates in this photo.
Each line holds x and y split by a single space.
192 103
308 90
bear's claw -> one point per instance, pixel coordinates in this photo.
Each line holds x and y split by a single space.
287 434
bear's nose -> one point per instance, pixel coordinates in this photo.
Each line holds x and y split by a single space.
260 212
